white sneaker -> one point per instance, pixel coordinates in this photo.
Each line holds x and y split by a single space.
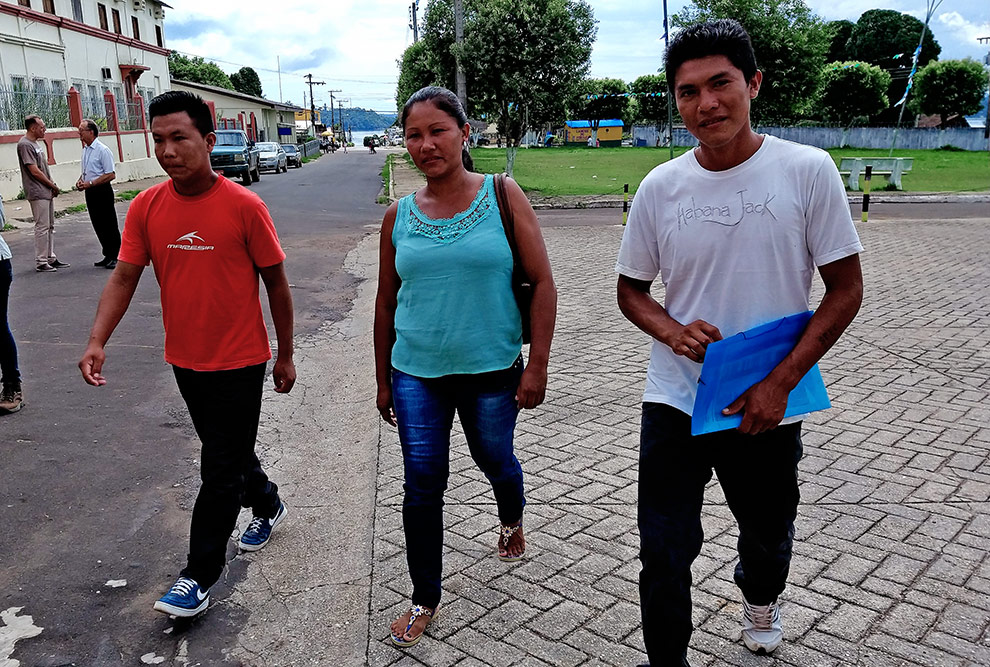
761 626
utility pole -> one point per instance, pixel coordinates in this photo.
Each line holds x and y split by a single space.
278 64
335 90
666 94
340 109
312 102
986 61
413 20
459 41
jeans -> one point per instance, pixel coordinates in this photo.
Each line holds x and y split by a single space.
103 215
8 350
225 407
424 410
758 475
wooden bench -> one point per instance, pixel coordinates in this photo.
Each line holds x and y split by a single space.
891 167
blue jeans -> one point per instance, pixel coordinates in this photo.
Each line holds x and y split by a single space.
424 410
758 475
8 350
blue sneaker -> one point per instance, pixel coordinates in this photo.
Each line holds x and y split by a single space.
184 599
260 530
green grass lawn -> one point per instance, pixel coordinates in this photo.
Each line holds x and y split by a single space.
598 171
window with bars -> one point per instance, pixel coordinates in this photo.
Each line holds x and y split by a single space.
116 21
48 6
135 28
24 3
77 12
102 9
158 35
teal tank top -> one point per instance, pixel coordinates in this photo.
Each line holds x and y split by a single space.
456 312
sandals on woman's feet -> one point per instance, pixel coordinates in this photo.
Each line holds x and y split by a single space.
416 611
505 534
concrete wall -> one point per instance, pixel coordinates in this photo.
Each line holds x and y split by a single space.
880 138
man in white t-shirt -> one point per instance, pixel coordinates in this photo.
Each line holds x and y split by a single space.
735 229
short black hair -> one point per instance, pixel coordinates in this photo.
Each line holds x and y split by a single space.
31 121
93 127
175 101
724 37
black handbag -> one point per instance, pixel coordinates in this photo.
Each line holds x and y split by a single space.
522 289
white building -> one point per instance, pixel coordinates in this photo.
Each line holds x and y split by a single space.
94 45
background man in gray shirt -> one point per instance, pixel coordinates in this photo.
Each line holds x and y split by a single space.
40 189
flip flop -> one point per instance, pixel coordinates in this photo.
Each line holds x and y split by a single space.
417 611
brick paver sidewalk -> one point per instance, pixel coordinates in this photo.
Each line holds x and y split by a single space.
890 564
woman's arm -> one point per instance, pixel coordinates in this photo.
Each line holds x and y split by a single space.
388 290
543 310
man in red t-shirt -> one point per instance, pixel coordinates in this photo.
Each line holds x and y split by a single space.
209 240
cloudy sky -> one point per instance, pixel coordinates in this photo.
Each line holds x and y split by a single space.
353 45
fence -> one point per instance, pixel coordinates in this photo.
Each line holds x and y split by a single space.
880 138
15 105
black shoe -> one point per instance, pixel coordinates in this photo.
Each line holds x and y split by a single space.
59 265
102 262
111 264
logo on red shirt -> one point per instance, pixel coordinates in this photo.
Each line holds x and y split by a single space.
188 242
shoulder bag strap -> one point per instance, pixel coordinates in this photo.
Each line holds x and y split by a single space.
508 223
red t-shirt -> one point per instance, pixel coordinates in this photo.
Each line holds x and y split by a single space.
206 251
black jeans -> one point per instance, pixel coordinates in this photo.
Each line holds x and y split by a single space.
758 475
225 407
103 215
8 350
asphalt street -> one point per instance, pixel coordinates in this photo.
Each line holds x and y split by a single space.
98 483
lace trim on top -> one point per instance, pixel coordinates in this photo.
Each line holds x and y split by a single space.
448 230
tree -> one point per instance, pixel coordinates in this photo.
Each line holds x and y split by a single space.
608 100
853 90
790 43
650 102
838 49
524 59
950 87
414 73
246 80
197 70
888 39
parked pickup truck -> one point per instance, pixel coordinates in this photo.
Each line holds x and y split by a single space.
234 155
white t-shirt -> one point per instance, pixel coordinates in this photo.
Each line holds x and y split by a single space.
735 248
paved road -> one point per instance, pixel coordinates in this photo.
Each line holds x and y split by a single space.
98 483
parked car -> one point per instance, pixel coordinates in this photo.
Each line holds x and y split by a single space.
272 156
235 155
292 155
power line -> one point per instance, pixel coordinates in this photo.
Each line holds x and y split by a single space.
393 79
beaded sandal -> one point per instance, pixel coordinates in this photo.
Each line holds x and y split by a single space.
416 611
505 534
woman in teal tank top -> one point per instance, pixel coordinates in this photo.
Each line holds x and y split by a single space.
448 338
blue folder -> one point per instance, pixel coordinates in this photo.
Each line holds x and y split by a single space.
735 364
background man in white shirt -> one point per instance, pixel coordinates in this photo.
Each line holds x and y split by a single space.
97 173
735 229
